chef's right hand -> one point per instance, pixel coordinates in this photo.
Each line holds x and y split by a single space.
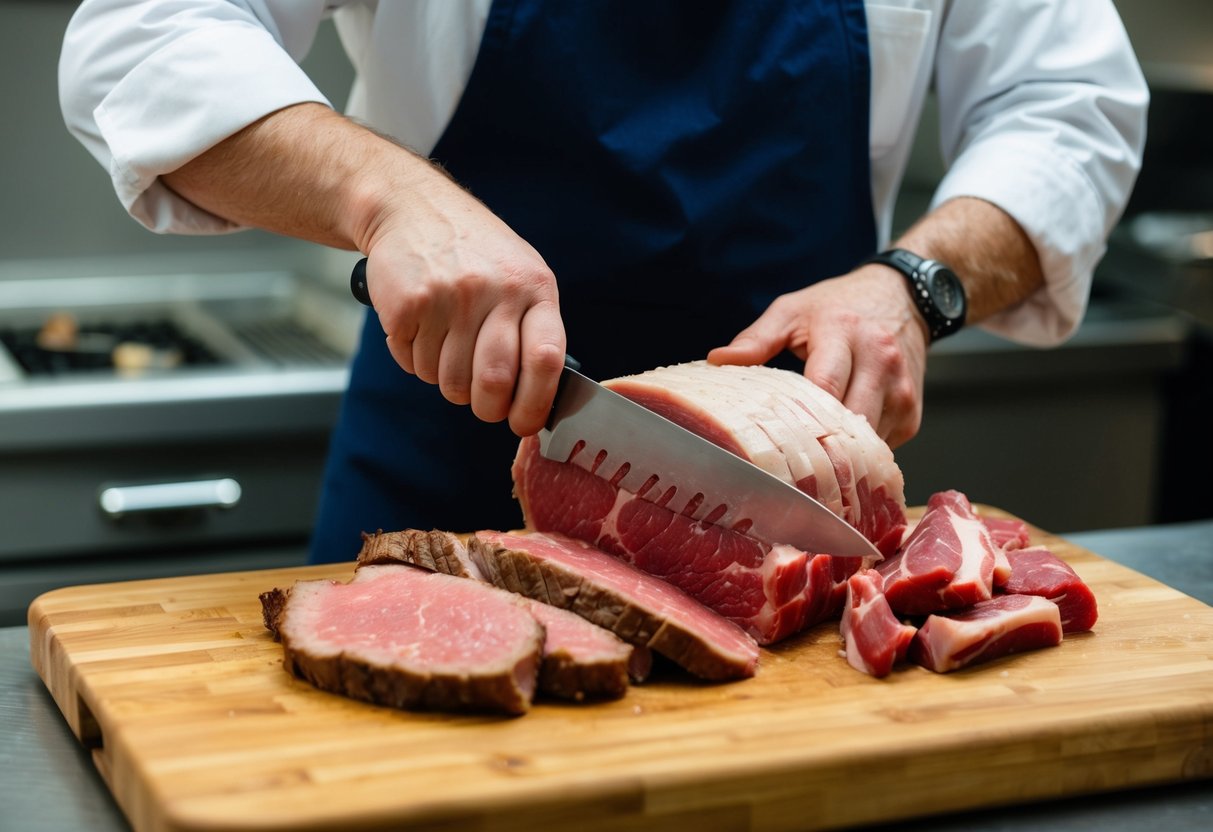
467 304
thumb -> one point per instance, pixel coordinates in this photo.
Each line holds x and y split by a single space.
756 344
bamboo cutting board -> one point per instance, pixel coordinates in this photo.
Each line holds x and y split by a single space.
193 723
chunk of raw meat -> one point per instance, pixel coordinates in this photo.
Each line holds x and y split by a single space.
946 563
635 606
1037 571
765 416
1007 532
988 630
580 659
875 640
403 637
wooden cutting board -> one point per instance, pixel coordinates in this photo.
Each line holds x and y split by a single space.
193 723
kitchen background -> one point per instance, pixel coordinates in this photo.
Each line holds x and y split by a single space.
213 464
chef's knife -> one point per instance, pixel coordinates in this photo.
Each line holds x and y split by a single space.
647 454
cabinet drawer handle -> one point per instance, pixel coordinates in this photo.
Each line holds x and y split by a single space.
119 500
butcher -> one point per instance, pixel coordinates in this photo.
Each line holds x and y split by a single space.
636 183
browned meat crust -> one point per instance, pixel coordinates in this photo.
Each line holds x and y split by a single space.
436 551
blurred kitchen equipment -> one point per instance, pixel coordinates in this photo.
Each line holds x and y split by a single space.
162 424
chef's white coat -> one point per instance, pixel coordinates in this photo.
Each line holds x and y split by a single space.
1042 104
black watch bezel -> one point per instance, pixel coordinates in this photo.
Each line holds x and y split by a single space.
937 291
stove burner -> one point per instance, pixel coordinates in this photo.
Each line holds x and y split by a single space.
95 346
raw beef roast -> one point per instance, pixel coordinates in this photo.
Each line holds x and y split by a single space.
635 606
403 637
1037 571
987 630
779 421
580 660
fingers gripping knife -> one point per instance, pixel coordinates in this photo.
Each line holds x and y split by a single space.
650 456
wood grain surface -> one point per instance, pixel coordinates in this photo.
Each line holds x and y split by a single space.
180 692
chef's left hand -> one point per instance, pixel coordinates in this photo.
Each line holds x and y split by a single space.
861 340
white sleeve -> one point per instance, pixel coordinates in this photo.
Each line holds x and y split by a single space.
1043 113
148 86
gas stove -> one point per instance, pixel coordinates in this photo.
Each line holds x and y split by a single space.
101 350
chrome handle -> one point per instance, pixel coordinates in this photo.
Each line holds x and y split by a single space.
120 500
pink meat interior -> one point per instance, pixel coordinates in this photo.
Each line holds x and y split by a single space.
402 615
572 634
638 586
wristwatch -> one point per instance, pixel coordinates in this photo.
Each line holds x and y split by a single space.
937 291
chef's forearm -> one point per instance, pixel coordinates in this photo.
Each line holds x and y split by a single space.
307 172
993 256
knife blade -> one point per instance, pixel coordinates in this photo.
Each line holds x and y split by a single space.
660 461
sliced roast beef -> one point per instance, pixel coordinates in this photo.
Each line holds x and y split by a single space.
1037 571
580 660
407 638
436 551
988 630
875 640
637 607
946 563
769 417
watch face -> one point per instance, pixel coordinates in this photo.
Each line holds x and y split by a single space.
946 292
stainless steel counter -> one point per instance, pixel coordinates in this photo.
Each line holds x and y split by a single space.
47 780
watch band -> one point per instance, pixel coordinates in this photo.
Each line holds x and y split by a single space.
929 282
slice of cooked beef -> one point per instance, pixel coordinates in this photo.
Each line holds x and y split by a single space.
988 630
946 563
580 660
403 637
1037 571
875 640
635 606
433 550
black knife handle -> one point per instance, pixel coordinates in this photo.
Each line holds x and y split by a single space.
358 283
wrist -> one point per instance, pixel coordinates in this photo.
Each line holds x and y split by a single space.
935 291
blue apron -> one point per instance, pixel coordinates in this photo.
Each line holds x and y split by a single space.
677 164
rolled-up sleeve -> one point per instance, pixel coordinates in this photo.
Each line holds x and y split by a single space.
146 87
1043 113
